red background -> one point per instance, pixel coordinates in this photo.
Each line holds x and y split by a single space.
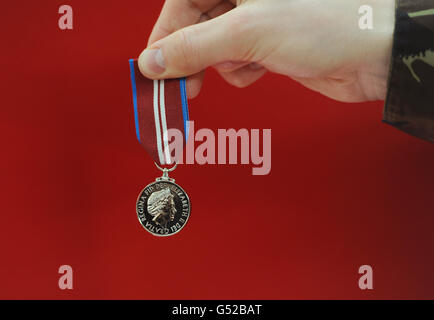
344 190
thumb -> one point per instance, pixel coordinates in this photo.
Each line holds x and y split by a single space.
194 48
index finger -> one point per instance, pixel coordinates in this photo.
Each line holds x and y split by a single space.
177 14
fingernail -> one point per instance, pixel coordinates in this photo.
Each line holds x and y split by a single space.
153 60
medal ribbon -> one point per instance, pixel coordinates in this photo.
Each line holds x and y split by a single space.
159 105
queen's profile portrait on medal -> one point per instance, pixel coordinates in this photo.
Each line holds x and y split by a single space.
162 207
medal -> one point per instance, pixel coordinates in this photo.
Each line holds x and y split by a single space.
163 207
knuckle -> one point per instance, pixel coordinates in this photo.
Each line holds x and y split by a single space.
240 22
185 49
240 33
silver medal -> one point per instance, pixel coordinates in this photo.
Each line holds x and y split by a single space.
163 207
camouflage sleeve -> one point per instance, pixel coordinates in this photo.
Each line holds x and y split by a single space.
410 97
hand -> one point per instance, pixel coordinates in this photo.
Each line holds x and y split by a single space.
315 42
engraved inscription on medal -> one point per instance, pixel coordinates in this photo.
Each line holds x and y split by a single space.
163 208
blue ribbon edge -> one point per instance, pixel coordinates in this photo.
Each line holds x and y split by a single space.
133 85
184 107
